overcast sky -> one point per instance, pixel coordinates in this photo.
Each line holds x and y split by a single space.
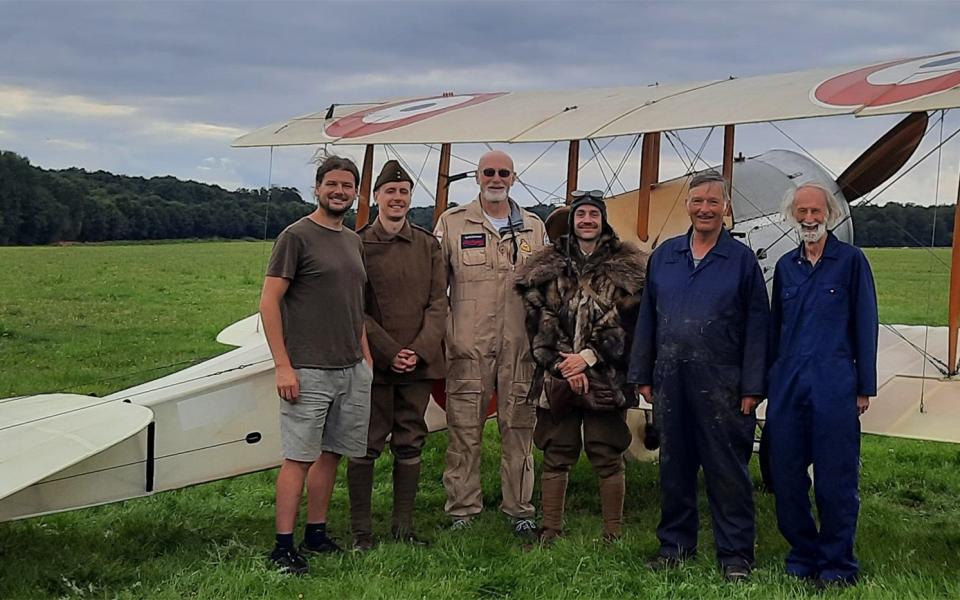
163 88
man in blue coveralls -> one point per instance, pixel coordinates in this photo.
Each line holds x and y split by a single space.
700 348
823 371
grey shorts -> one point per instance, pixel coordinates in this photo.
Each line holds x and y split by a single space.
331 414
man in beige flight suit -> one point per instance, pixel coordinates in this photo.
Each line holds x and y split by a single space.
483 244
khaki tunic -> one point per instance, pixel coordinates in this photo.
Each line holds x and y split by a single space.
406 307
487 351
406 301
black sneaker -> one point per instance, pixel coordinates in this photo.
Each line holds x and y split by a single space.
323 544
736 573
526 529
288 560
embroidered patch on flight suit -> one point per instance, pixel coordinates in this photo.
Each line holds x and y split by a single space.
473 240
525 246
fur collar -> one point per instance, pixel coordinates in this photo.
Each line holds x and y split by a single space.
621 262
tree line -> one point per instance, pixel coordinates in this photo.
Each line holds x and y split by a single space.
40 206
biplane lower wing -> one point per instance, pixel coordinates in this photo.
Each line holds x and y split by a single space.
45 435
914 399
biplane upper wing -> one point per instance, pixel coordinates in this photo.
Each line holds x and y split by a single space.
43 435
899 86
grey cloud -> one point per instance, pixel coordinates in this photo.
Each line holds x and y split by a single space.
245 64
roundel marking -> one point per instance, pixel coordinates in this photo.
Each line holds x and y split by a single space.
391 116
891 82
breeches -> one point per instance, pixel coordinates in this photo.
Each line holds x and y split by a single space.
397 411
603 435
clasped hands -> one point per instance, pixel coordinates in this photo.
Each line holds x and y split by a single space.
405 361
572 368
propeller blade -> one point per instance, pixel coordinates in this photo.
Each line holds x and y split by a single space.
884 158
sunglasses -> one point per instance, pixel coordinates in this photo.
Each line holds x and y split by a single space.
594 194
503 173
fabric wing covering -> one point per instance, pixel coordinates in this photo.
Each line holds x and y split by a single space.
43 435
906 85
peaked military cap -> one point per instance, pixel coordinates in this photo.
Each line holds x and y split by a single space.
391 172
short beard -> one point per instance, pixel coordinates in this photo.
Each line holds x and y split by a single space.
811 237
494 196
333 212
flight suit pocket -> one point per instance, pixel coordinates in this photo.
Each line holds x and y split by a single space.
518 413
521 414
473 265
474 257
832 301
463 394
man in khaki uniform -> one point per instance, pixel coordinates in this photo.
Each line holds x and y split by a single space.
483 244
406 311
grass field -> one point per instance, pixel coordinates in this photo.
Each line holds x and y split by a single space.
94 319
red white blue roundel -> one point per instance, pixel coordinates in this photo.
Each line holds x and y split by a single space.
392 116
892 82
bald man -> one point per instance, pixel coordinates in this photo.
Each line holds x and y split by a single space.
483 244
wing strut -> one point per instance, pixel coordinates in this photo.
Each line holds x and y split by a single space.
573 168
366 177
728 162
649 175
953 319
443 183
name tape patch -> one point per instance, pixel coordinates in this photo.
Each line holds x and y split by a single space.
473 240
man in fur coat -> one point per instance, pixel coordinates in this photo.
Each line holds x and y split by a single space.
581 297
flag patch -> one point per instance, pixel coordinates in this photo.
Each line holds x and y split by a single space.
473 240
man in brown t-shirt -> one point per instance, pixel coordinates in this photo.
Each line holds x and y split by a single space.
312 312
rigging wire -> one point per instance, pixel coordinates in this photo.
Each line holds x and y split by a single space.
938 364
615 174
608 183
389 148
553 193
423 165
933 241
266 221
676 200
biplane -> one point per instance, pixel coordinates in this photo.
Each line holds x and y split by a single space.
218 419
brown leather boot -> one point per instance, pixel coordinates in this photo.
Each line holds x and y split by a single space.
406 480
612 490
360 486
553 494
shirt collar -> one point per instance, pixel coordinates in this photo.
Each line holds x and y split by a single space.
405 233
831 249
721 248
475 214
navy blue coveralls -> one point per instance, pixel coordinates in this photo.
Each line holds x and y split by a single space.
701 343
824 354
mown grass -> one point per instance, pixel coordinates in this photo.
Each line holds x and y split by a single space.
912 284
85 318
